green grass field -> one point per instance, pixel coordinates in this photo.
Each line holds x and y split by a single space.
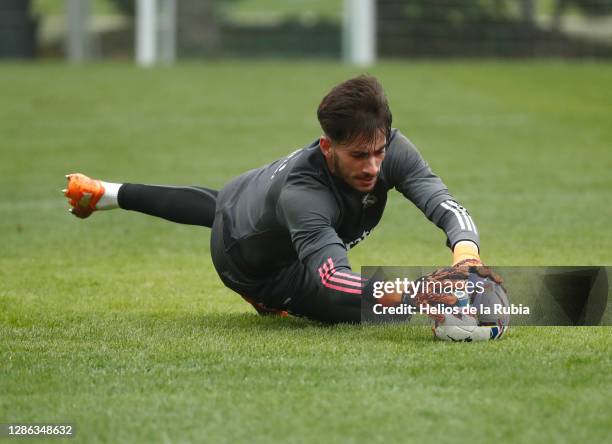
119 325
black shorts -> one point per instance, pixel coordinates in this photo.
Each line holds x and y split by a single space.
291 288
281 289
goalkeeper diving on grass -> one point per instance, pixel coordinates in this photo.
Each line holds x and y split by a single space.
280 233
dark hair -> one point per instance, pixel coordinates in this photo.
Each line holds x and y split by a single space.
355 109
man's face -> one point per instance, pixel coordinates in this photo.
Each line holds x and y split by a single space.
358 164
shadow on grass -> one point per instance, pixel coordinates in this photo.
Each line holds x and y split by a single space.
178 323
252 322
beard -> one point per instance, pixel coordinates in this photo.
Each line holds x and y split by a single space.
350 178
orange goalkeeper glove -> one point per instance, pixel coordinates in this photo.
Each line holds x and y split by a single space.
465 250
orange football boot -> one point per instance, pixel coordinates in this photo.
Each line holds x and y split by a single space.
265 311
84 193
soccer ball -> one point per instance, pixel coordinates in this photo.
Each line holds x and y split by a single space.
494 296
469 328
468 331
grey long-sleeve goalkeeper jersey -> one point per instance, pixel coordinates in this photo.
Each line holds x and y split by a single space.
295 209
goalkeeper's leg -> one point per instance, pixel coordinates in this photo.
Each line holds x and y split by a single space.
187 205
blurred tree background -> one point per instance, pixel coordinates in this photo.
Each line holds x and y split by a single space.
499 28
313 28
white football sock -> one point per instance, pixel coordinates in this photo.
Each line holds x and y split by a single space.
109 200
